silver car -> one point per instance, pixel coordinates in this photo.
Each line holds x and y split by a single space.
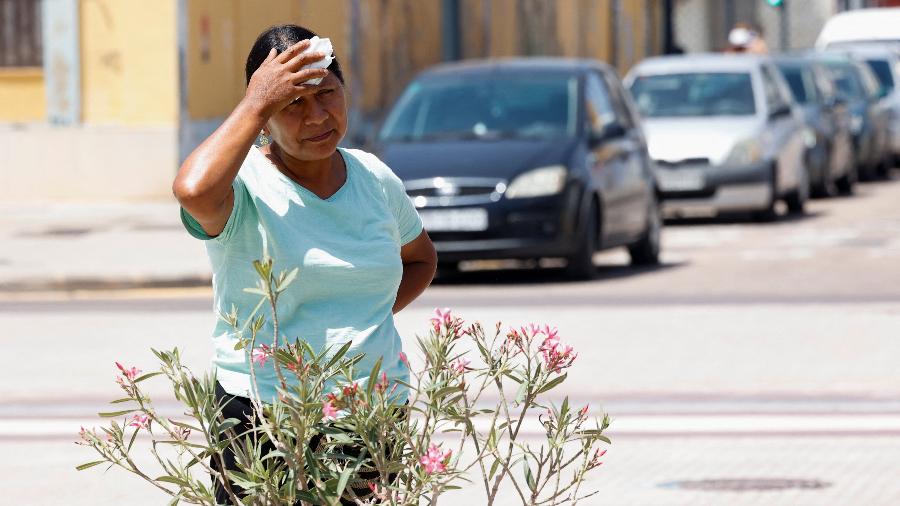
723 132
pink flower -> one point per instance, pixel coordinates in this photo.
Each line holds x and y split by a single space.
350 390
459 366
596 460
404 359
435 461
328 410
556 355
261 354
382 385
140 421
441 317
583 411
128 373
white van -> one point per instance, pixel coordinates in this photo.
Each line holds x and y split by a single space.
860 26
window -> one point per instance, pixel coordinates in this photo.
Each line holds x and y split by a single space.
694 94
775 98
20 33
600 112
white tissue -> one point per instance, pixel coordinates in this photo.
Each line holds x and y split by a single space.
318 45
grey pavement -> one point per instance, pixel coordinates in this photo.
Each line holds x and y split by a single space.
756 366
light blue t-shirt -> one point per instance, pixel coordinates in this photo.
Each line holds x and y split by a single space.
347 248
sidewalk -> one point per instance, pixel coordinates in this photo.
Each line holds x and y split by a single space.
97 246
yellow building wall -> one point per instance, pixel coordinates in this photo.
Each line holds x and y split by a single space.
129 62
22 97
221 32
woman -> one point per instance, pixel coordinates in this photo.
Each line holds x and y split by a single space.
339 215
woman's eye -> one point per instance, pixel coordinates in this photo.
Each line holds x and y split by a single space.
324 92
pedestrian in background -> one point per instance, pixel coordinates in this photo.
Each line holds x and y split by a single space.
746 38
340 215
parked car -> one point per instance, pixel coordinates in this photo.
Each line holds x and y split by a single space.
885 64
829 145
723 134
525 158
869 115
881 26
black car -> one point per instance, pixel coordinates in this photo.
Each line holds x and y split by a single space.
525 158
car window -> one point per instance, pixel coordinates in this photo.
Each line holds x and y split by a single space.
846 81
824 86
801 83
774 98
882 71
694 94
461 107
623 113
598 106
869 81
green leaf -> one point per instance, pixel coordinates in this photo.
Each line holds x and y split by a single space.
553 383
529 478
373 377
520 393
255 291
146 376
306 496
494 467
113 414
82 467
288 279
173 480
120 401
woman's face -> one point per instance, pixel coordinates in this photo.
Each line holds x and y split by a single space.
311 127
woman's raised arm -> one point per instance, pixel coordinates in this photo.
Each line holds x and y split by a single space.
203 184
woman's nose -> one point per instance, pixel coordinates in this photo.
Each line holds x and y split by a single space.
315 113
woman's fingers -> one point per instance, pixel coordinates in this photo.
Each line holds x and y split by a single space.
302 59
271 56
300 77
292 51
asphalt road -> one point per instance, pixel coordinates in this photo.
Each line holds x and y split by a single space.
754 352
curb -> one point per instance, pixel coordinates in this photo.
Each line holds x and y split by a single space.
101 284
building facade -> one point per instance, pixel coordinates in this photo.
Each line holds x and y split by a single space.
102 99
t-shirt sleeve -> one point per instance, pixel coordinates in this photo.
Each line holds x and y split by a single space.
408 221
241 200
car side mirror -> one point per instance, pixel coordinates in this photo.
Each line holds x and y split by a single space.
782 110
610 131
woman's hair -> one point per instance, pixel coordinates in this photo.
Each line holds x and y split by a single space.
282 37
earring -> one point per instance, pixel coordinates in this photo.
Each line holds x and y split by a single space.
263 138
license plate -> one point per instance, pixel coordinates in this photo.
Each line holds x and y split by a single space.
681 180
455 220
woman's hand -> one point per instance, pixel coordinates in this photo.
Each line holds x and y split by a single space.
280 78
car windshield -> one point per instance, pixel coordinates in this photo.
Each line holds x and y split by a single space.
882 70
847 81
695 94
484 108
794 77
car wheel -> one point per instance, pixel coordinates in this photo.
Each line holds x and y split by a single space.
796 200
846 182
769 213
581 263
646 250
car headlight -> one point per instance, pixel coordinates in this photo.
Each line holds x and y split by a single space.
809 138
856 124
745 153
538 182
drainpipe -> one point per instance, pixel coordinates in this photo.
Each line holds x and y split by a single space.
450 30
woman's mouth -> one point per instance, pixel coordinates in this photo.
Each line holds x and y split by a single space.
320 138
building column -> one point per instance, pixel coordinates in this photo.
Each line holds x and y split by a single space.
62 60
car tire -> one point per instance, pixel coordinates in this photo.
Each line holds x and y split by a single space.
581 264
646 250
796 200
769 213
846 182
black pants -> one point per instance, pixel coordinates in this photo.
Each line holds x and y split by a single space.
241 408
